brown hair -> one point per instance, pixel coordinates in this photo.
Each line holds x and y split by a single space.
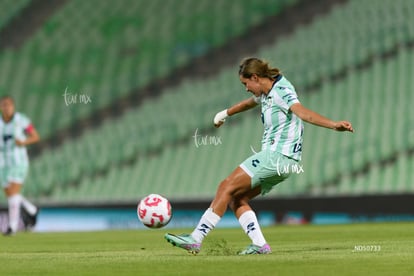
6 97
261 68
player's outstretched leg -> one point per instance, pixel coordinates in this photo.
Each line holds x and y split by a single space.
14 214
184 241
192 242
237 182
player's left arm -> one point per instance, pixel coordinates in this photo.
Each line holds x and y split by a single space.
32 137
314 118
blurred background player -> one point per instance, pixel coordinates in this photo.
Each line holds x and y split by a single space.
282 116
16 132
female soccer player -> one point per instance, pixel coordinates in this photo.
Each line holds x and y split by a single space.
16 133
282 116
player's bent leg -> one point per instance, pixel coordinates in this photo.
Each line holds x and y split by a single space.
240 202
29 218
249 223
237 183
255 250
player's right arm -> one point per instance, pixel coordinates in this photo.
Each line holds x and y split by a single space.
32 136
237 108
316 119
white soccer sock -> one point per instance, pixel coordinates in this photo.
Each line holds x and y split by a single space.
251 227
14 211
207 223
28 206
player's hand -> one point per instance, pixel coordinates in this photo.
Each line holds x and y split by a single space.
220 118
20 143
343 126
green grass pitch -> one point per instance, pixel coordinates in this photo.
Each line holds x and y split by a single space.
355 249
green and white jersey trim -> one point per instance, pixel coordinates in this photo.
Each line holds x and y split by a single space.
10 153
283 130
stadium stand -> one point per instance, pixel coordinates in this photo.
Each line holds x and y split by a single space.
349 36
381 118
330 160
350 65
337 158
106 49
9 9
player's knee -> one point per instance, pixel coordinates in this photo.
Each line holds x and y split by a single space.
226 187
237 202
233 204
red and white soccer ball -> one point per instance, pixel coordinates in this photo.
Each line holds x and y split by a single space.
154 211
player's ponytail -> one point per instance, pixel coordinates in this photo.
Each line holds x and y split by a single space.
261 68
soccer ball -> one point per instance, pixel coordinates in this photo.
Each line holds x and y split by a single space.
154 211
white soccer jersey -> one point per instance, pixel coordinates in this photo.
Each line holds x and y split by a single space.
10 153
283 130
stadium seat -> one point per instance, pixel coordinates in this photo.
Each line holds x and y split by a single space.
9 9
107 50
160 149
